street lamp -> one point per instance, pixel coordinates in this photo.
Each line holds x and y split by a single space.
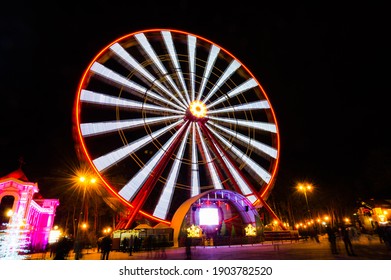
85 181
304 189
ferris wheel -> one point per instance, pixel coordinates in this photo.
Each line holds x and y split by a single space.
164 115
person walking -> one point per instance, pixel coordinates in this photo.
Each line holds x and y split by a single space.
332 239
107 242
131 241
346 240
188 243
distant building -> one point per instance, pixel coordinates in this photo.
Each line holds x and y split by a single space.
20 199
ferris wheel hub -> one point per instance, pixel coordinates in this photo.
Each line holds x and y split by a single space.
197 110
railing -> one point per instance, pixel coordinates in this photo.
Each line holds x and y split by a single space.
281 236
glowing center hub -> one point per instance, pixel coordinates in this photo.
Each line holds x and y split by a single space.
198 109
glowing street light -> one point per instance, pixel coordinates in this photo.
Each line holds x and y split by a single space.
305 189
85 181
106 230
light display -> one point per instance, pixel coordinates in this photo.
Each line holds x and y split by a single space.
250 230
209 216
194 231
54 235
14 240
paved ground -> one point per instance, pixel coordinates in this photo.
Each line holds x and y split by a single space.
366 248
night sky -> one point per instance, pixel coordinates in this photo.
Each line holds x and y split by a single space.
325 69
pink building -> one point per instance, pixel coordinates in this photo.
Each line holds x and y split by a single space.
20 199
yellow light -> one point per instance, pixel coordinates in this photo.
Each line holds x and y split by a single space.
250 230
198 109
304 188
54 235
9 213
85 179
194 231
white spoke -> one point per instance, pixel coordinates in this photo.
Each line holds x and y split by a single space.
270 127
227 73
126 57
133 186
174 58
105 161
151 53
132 87
263 148
244 188
98 128
257 105
195 179
249 84
165 199
208 69
93 97
208 159
191 45
259 170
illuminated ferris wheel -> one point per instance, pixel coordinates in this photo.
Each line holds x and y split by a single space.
164 115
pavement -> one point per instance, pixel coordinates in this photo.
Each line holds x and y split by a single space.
367 247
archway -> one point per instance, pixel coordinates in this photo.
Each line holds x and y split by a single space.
231 211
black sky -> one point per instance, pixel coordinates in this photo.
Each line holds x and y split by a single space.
324 67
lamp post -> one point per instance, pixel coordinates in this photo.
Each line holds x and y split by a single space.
304 189
83 210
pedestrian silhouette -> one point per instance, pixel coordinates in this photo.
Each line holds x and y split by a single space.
332 239
125 244
130 249
346 240
62 249
188 243
106 247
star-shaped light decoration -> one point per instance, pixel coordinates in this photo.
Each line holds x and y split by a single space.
250 230
194 231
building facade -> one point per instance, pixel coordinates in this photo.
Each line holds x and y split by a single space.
20 202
